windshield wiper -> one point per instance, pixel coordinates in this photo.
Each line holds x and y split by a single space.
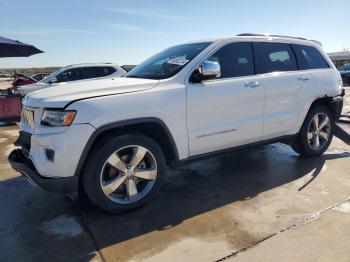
132 76
145 77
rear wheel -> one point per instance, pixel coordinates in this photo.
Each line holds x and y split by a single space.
316 133
124 173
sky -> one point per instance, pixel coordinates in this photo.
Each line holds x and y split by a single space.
129 31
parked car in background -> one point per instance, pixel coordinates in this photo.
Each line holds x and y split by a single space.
187 102
5 76
21 80
75 73
39 76
10 107
345 74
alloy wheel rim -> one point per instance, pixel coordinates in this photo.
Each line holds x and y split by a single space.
128 174
319 131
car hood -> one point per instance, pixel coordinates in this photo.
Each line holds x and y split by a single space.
61 95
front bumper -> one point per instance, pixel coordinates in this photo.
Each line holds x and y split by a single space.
66 145
24 165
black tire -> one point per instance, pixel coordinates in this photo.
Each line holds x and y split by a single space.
301 144
96 162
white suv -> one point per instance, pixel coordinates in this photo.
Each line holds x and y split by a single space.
76 72
113 138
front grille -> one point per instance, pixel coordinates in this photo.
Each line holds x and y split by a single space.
28 117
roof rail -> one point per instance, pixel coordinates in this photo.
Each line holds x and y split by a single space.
268 35
282 36
250 34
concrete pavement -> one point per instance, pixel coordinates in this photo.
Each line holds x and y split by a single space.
324 238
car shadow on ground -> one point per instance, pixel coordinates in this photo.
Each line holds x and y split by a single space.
205 186
188 192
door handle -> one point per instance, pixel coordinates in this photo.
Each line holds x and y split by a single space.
252 84
303 78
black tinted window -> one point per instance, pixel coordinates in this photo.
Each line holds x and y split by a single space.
276 57
309 57
235 60
94 72
109 70
70 75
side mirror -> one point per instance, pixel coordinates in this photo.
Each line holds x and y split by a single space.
206 71
53 80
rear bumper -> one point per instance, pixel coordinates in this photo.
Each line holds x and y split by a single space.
346 79
24 165
337 105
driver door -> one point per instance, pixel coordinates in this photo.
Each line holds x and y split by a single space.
227 111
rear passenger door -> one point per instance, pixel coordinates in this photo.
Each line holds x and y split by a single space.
284 88
324 78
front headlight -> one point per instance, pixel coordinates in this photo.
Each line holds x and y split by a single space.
57 117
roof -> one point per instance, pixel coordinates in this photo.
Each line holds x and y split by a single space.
92 64
338 56
257 37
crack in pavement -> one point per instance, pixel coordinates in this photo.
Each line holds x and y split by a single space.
301 222
90 234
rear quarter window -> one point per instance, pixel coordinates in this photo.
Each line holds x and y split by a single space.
276 57
309 57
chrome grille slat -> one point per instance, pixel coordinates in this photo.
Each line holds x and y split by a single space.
28 117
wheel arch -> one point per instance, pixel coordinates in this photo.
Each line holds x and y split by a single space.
334 104
150 126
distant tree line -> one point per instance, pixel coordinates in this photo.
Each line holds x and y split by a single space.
35 70
28 71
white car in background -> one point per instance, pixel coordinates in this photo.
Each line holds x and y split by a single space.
75 73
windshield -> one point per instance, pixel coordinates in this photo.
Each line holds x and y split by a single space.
168 62
50 77
345 67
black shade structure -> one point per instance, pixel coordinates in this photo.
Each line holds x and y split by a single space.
13 48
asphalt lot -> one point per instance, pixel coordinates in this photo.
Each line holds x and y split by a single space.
267 204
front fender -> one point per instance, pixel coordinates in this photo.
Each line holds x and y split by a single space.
123 123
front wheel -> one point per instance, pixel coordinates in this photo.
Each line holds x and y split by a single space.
124 172
316 133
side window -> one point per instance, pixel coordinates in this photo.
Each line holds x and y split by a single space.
109 70
70 75
94 72
235 60
309 57
276 57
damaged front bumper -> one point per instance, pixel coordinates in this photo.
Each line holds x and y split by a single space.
22 164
